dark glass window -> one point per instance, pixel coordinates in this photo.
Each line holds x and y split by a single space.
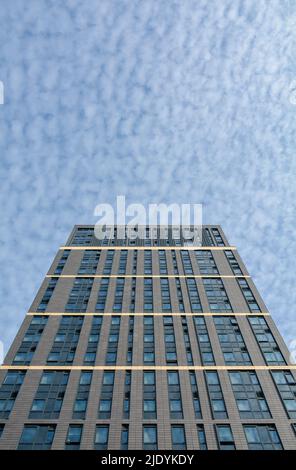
62 262
249 395
216 294
266 341
49 396
206 262
231 341
150 437
80 404
106 397
225 437
47 294
203 340
37 437
89 262
175 398
124 437
73 437
30 341
101 437
286 387
262 437
9 391
66 340
216 396
201 437
248 295
79 295
178 437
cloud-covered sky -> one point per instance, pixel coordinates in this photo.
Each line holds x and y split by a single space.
159 100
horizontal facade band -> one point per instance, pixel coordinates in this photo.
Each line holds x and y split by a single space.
115 276
158 314
148 367
134 247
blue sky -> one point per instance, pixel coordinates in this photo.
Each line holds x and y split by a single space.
159 100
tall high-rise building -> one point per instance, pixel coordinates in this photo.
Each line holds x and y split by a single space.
147 344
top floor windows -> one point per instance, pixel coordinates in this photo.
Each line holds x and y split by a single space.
218 239
83 236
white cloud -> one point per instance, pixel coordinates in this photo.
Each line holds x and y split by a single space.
184 101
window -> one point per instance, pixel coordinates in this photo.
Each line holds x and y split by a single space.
49 395
149 437
79 295
93 341
30 341
82 236
231 341
80 404
169 339
148 350
216 294
206 262
203 340
225 437
195 395
47 294
108 262
149 378
37 437
9 391
193 294
286 386
217 236
124 437
127 394
262 437
148 295
201 437
101 437
215 395
149 395
111 355
102 295
106 397
266 341
165 295
187 266
233 263
1 429
178 437
175 399
89 262
117 305
62 262
73 437
163 268
66 340
249 395
248 295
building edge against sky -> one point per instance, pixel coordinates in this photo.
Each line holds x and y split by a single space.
147 344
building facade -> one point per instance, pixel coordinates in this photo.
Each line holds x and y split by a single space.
147 344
